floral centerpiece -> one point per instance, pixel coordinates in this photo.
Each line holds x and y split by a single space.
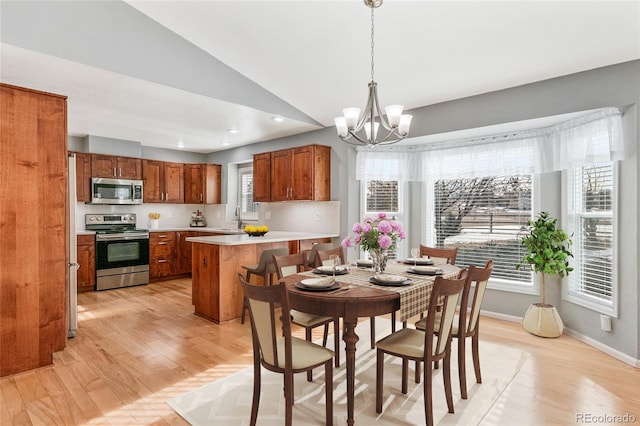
376 235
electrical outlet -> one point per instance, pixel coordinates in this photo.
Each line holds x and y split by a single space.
218 214
317 215
172 213
605 322
267 215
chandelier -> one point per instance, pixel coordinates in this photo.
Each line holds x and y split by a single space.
353 121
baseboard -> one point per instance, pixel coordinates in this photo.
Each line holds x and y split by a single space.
578 336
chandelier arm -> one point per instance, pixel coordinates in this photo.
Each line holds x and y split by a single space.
360 141
365 115
381 117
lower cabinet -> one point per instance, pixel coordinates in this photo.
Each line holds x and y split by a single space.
87 261
162 255
170 253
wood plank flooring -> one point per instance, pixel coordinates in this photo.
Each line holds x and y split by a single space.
140 346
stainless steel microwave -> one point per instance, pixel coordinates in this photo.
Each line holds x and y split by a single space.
116 191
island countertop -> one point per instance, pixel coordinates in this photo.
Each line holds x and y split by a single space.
270 237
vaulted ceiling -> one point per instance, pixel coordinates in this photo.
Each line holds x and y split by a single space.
181 74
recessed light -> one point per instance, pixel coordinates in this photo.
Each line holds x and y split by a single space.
277 118
233 131
225 144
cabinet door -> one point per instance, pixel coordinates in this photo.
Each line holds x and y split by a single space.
173 183
129 168
213 183
105 166
152 172
193 180
280 175
83 177
184 252
302 173
87 261
262 177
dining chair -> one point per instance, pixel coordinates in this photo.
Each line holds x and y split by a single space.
311 257
440 255
468 321
275 349
264 268
427 346
292 264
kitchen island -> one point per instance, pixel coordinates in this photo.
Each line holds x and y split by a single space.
217 261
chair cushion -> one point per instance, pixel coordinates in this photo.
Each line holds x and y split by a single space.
308 320
406 342
304 354
252 268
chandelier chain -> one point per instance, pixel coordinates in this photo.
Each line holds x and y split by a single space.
372 30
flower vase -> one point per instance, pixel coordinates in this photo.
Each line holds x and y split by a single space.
379 260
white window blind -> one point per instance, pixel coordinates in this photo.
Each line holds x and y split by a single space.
248 208
383 196
484 218
591 221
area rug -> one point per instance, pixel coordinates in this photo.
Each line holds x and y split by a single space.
228 401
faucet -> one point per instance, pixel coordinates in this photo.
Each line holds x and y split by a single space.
239 217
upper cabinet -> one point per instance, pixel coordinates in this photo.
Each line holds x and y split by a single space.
262 177
202 183
163 182
107 166
302 173
83 177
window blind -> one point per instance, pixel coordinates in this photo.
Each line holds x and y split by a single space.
591 221
484 218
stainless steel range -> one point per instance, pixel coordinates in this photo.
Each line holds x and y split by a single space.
122 251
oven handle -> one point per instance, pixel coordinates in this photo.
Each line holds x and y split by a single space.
107 237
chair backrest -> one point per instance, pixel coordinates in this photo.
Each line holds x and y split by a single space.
479 277
323 255
266 258
290 264
444 299
311 261
440 255
268 325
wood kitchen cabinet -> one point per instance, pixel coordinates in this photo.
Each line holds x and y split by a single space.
202 183
163 259
184 252
302 173
163 182
108 166
34 264
262 177
87 261
83 177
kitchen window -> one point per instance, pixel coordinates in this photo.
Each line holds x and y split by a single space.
248 209
591 212
385 196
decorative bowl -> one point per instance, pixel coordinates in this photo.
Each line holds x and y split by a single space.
256 234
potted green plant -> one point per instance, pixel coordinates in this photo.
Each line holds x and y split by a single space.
548 252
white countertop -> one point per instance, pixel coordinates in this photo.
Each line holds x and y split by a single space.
270 237
200 229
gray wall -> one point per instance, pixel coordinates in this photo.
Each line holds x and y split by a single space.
617 85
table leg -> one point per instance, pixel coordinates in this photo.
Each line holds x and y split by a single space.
350 339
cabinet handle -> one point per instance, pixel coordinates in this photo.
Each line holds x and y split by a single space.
162 196
114 172
166 196
201 197
162 243
120 171
204 261
162 260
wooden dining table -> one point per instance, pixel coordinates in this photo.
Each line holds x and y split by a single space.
358 297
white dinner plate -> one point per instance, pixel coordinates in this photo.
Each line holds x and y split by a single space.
318 282
329 269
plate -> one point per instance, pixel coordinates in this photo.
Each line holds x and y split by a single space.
334 286
340 270
256 234
390 280
418 261
318 282
425 270
364 262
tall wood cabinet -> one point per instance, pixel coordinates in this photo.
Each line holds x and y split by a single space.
83 177
86 250
163 182
202 183
34 231
302 173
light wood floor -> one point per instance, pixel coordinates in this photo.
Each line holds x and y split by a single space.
140 346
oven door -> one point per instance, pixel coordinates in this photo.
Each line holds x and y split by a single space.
121 251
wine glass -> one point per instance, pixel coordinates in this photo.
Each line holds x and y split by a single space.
351 266
334 260
415 252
